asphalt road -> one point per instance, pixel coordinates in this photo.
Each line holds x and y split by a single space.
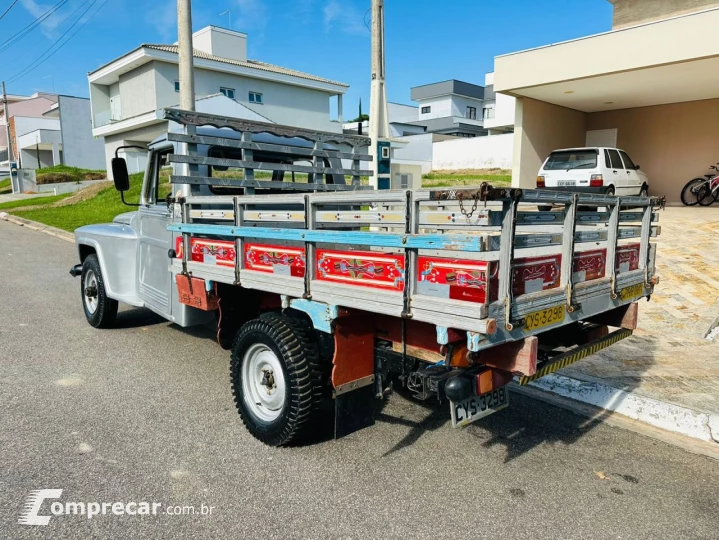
144 413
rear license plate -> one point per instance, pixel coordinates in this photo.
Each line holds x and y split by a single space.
564 183
472 409
631 292
544 317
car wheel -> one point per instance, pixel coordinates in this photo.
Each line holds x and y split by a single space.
544 208
273 381
644 192
100 310
610 191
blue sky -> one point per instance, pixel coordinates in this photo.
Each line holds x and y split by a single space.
426 40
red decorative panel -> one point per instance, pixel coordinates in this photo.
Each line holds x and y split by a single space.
535 274
217 252
454 278
364 268
627 257
284 260
588 265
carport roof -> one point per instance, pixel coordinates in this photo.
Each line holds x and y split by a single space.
668 61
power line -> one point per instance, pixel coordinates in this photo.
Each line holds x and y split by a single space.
30 27
8 10
39 60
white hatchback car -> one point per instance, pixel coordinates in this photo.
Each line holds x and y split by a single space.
592 170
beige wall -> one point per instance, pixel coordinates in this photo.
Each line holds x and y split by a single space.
671 41
539 128
632 12
672 143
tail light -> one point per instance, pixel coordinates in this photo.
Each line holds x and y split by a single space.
540 181
596 180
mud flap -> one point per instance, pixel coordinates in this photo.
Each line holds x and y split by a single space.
354 410
353 374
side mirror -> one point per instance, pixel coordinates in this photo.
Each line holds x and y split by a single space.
120 175
636 167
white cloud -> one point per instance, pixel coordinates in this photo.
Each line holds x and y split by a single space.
162 16
250 16
50 24
344 17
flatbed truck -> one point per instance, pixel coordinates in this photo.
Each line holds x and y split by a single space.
326 291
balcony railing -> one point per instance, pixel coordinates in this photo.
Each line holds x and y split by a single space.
102 118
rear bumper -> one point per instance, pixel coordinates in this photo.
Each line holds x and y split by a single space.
578 189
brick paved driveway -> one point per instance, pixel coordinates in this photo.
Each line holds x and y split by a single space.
667 358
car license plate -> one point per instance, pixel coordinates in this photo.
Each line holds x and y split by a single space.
564 183
631 292
544 317
472 409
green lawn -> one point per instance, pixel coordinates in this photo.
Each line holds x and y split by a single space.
499 178
64 173
35 201
100 209
5 186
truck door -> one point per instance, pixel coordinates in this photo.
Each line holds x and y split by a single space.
154 277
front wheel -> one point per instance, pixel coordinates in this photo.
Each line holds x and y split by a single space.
100 310
708 196
644 192
692 191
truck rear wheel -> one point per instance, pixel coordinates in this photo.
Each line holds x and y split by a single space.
273 379
100 310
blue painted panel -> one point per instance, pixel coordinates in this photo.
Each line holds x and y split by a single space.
453 242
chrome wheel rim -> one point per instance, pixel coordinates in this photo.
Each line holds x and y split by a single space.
90 291
263 382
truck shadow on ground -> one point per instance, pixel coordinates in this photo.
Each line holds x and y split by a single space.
526 424
137 317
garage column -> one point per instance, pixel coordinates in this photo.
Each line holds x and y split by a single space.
55 154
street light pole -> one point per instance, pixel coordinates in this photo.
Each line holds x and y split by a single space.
378 122
184 42
10 153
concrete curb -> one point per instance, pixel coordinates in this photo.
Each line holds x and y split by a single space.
41 227
660 414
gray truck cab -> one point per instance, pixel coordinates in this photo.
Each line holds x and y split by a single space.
128 260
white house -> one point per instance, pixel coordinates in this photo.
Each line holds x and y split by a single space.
128 95
450 108
498 109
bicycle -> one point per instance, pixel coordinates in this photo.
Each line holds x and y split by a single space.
698 190
709 192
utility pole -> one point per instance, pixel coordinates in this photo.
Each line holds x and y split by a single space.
184 42
378 121
10 153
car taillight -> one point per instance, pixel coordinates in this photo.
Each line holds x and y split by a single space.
596 180
540 181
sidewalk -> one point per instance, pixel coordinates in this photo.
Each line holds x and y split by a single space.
667 359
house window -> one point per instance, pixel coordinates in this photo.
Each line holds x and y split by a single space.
255 97
426 110
229 92
488 113
472 113
177 86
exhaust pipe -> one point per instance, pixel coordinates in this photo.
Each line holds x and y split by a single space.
76 270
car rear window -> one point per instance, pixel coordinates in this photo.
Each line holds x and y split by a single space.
571 159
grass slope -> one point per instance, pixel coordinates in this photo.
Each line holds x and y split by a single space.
100 209
35 201
64 173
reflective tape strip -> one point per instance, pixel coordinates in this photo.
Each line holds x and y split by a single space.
577 355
